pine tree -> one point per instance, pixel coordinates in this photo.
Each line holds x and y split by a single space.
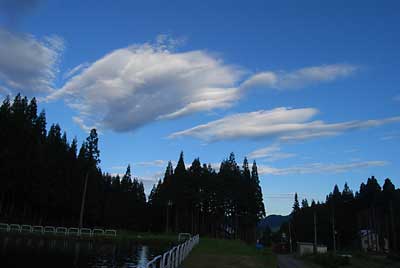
304 203
296 205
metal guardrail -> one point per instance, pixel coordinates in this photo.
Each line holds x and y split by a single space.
184 236
49 230
61 230
4 227
110 232
175 256
97 232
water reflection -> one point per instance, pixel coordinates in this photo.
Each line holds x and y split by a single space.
36 251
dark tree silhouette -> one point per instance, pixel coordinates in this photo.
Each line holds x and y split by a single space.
46 180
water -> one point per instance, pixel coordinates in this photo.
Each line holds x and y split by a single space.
36 251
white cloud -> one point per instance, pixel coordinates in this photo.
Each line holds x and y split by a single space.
353 150
79 121
77 69
319 168
28 65
270 153
396 98
299 78
118 167
139 84
153 163
132 86
281 123
390 137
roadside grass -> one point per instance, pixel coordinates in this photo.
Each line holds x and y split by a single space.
362 260
358 260
211 253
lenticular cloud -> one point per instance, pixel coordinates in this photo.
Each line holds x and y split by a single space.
130 87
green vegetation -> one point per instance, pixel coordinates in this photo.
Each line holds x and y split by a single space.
357 260
372 261
328 260
228 253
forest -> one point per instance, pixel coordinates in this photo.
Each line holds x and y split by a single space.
345 216
43 175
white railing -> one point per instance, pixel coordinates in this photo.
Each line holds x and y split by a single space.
175 256
184 236
4 227
61 230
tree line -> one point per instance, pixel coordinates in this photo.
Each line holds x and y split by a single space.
345 216
44 177
198 199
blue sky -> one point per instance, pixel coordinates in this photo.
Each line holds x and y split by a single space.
309 91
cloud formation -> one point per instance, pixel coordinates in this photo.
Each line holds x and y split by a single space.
299 78
270 153
144 83
282 123
153 163
140 84
315 168
28 65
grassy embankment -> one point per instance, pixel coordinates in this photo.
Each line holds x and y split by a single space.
358 260
211 253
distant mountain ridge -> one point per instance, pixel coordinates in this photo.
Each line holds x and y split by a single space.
274 221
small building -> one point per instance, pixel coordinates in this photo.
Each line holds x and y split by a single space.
322 249
304 248
370 241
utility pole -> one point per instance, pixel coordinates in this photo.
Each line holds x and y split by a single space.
315 232
83 200
392 223
290 239
169 203
333 230
166 222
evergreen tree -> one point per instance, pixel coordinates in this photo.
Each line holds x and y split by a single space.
296 205
304 203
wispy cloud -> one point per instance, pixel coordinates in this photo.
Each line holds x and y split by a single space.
118 167
282 123
390 137
28 65
396 98
153 163
74 71
325 168
143 83
353 150
270 153
79 121
299 78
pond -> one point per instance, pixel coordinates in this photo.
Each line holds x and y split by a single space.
37 251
